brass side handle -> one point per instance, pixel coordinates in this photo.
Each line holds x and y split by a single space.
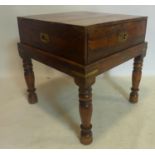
44 37
123 36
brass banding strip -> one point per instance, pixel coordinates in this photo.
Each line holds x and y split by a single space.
92 73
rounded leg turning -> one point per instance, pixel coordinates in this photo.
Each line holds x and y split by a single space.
85 108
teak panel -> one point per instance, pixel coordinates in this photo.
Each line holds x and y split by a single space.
106 40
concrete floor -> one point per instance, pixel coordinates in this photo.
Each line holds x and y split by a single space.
54 121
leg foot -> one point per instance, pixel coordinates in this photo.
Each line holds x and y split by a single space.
32 98
86 135
30 80
136 77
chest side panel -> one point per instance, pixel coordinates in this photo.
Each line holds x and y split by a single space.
104 40
63 40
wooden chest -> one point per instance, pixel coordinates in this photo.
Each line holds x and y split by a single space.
82 45
83 37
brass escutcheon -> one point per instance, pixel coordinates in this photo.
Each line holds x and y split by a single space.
123 36
44 37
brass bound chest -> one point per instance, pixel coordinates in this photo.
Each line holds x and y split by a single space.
82 37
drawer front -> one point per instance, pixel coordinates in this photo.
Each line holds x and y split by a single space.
59 39
106 40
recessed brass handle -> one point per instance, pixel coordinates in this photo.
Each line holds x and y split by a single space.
44 37
123 36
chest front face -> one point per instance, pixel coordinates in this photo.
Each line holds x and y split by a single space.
84 40
109 39
58 39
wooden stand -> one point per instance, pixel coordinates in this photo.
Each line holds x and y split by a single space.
82 45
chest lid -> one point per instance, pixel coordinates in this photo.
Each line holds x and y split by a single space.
84 18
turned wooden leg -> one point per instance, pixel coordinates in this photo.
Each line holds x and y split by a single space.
85 108
30 80
136 77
